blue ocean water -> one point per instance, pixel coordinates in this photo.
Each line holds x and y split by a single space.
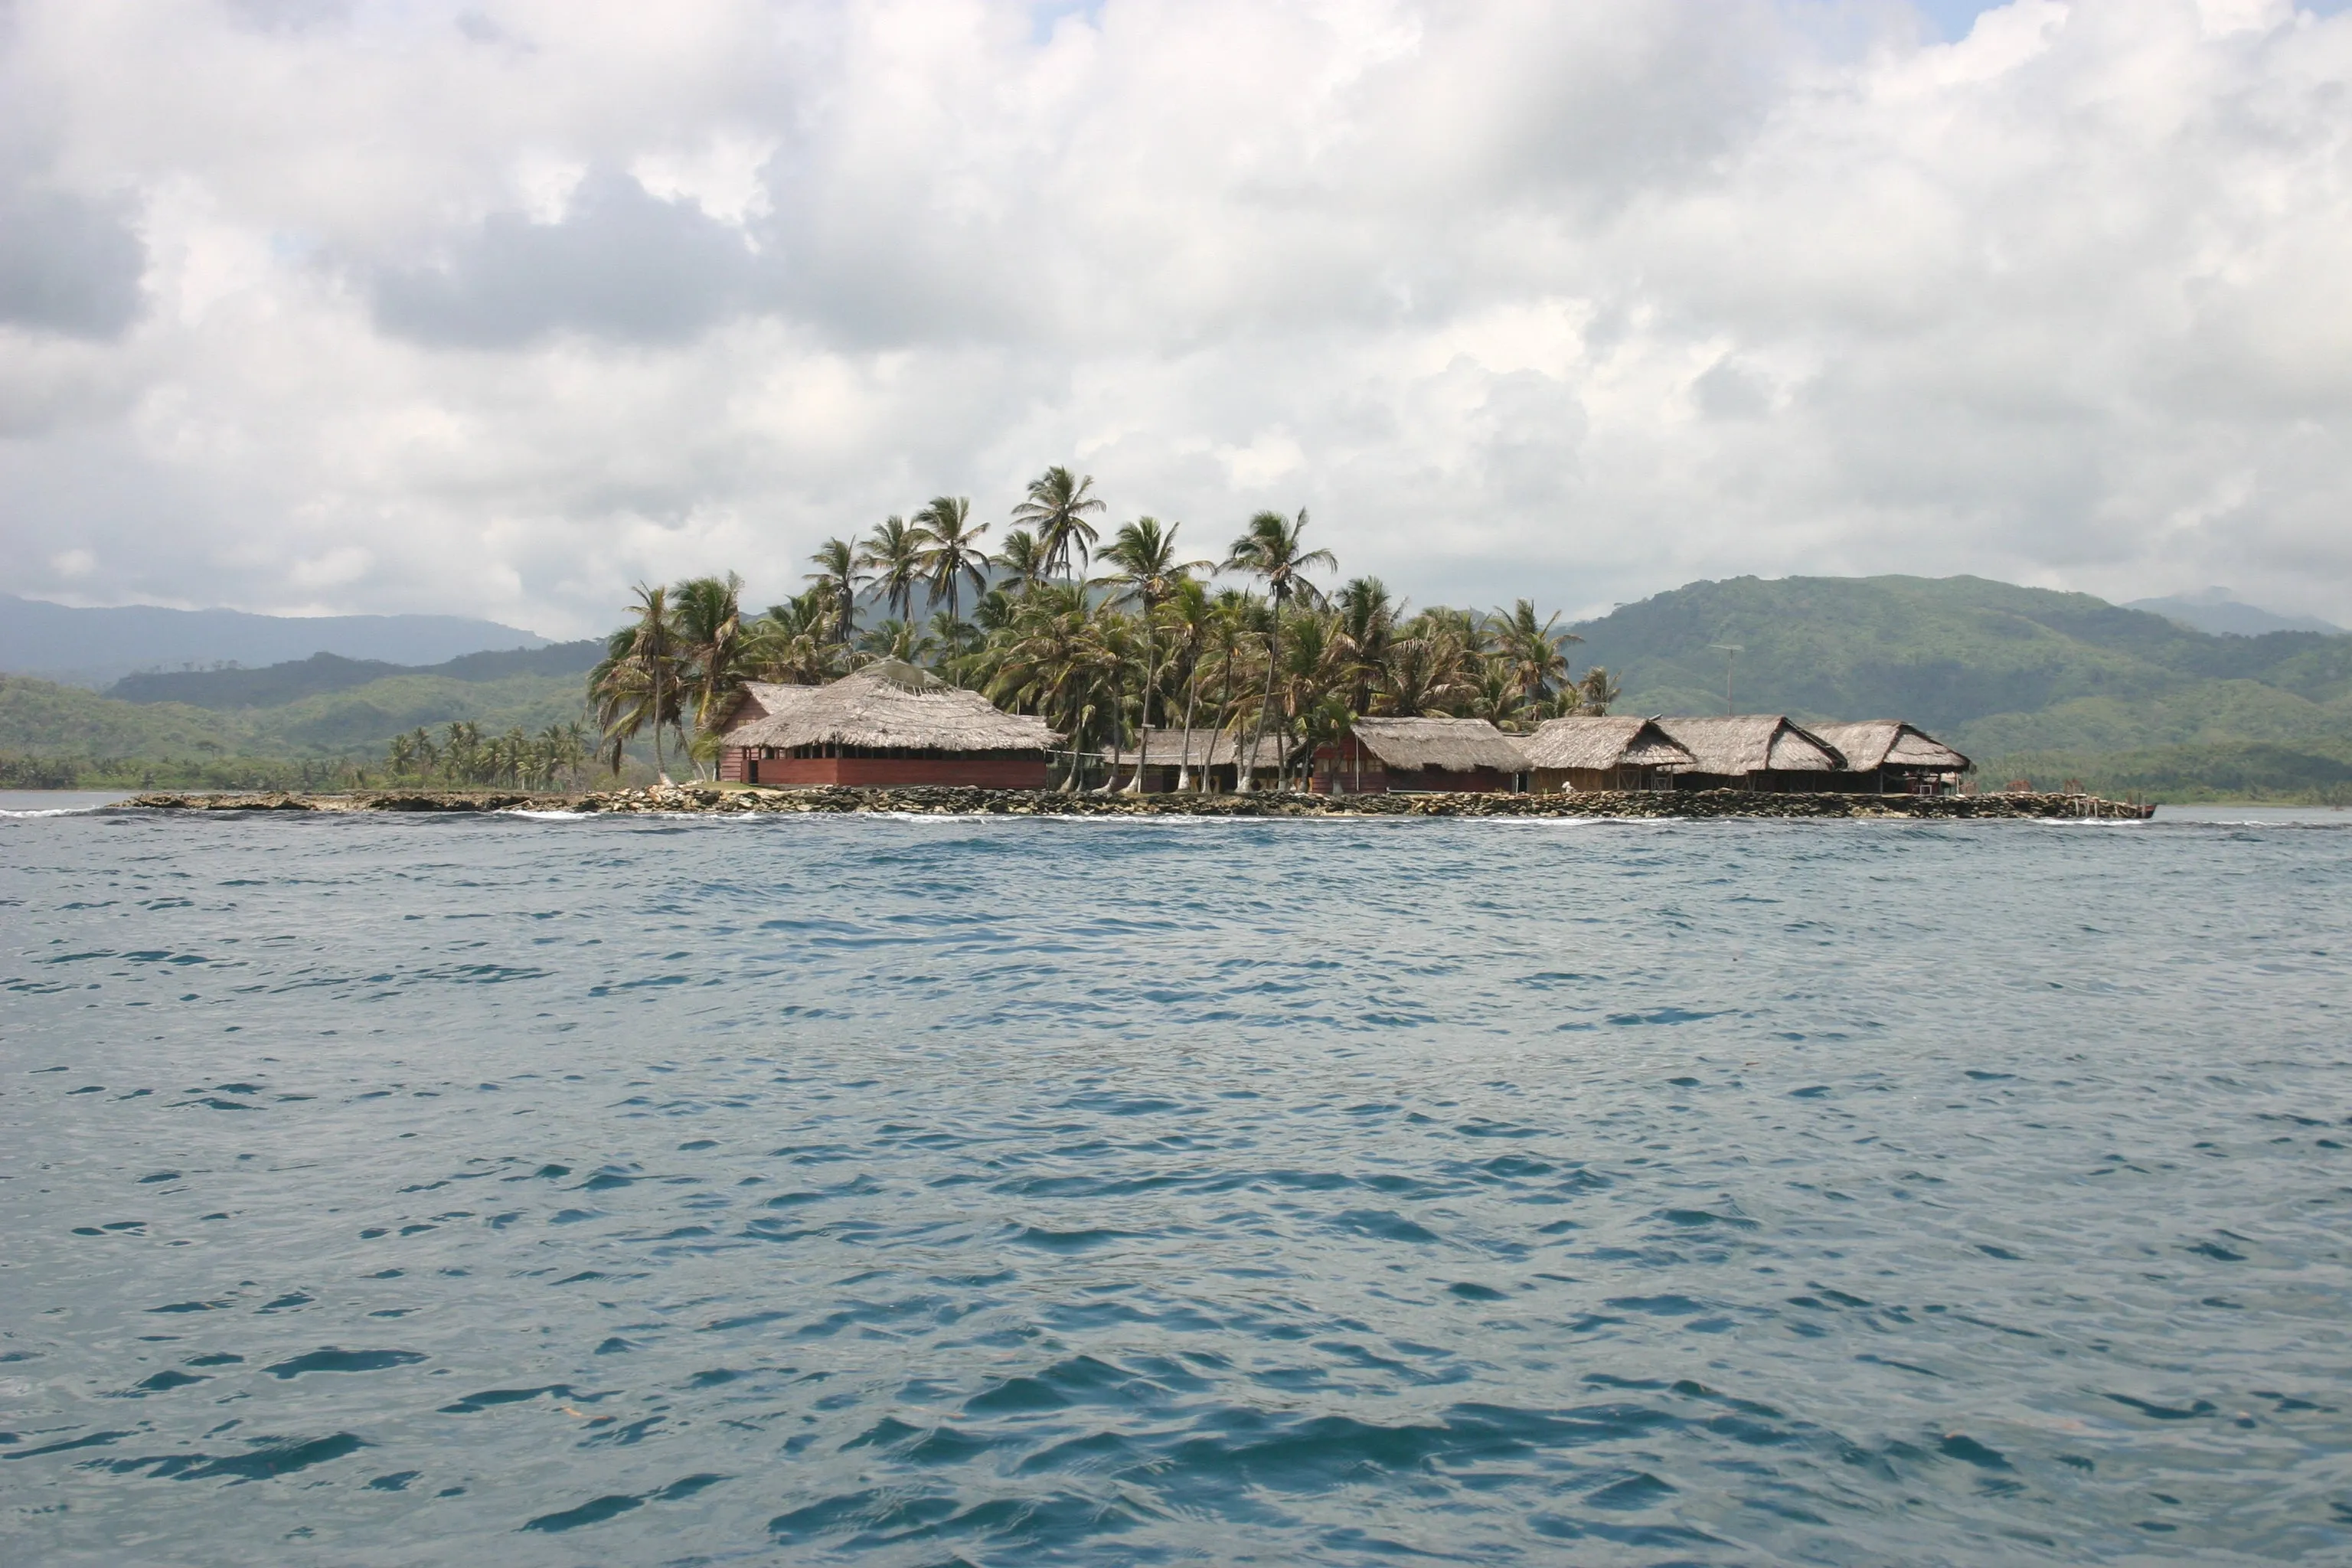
889 1191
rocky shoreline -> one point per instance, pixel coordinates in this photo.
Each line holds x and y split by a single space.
734 800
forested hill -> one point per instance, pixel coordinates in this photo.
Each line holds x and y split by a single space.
275 684
2004 672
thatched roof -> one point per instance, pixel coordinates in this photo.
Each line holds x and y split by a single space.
887 706
1890 743
1751 743
1410 745
1603 743
1210 749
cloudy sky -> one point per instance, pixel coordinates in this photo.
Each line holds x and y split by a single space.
495 307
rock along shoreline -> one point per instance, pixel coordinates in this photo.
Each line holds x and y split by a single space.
932 801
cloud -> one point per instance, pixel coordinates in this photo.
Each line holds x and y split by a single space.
494 307
68 264
619 263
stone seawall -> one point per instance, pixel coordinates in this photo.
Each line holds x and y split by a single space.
714 799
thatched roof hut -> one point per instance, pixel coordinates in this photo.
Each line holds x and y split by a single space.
1454 745
1206 748
1377 756
1875 743
888 725
886 706
1603 744
1750 747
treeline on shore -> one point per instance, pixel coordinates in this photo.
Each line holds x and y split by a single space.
1099 636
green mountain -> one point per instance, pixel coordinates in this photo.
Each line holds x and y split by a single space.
2031 683
53 735
274 685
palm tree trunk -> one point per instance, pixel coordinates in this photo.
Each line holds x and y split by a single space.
1273 655
1191 702
1143 736
1117 712
661 768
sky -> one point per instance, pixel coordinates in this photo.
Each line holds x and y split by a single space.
497 308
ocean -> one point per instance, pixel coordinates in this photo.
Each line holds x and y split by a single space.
908 1191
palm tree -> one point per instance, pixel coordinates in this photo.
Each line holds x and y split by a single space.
1052 663
1534 651
894 638
1058 508
1314 661
636 683
461 751
1598 691
792 644
1024 558
565 747
1498 698
895 552
1233 615
707 614
1184 616
1273 549
838 579
951 554
1148 570
1368 635
957 638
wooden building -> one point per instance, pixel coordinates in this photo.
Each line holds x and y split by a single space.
1207 761
1379 755
1886 756
889 724
1589 752
1765 751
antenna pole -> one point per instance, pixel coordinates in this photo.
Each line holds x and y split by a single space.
1731 651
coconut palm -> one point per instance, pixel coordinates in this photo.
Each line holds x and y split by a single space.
1366 631
1184 617
1497 697
1535 653
792 644
1598 691
838 578
1147 571
1234 619
1273 550
894 552
636 683
956 638
1051 662
951 554
1023 559
894 638
1058 505
1313 664
707 614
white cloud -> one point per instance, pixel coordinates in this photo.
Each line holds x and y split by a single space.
495 307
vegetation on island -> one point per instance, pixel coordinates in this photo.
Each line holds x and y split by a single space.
1060 611
1104 639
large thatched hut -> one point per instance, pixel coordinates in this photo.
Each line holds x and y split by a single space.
1590 752
1752 751
888 725
1886 756
1207 760
1378 755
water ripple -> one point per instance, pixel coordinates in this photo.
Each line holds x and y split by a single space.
910 1193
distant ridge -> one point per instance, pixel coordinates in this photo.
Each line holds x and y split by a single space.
2221 613
278 684
94 647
